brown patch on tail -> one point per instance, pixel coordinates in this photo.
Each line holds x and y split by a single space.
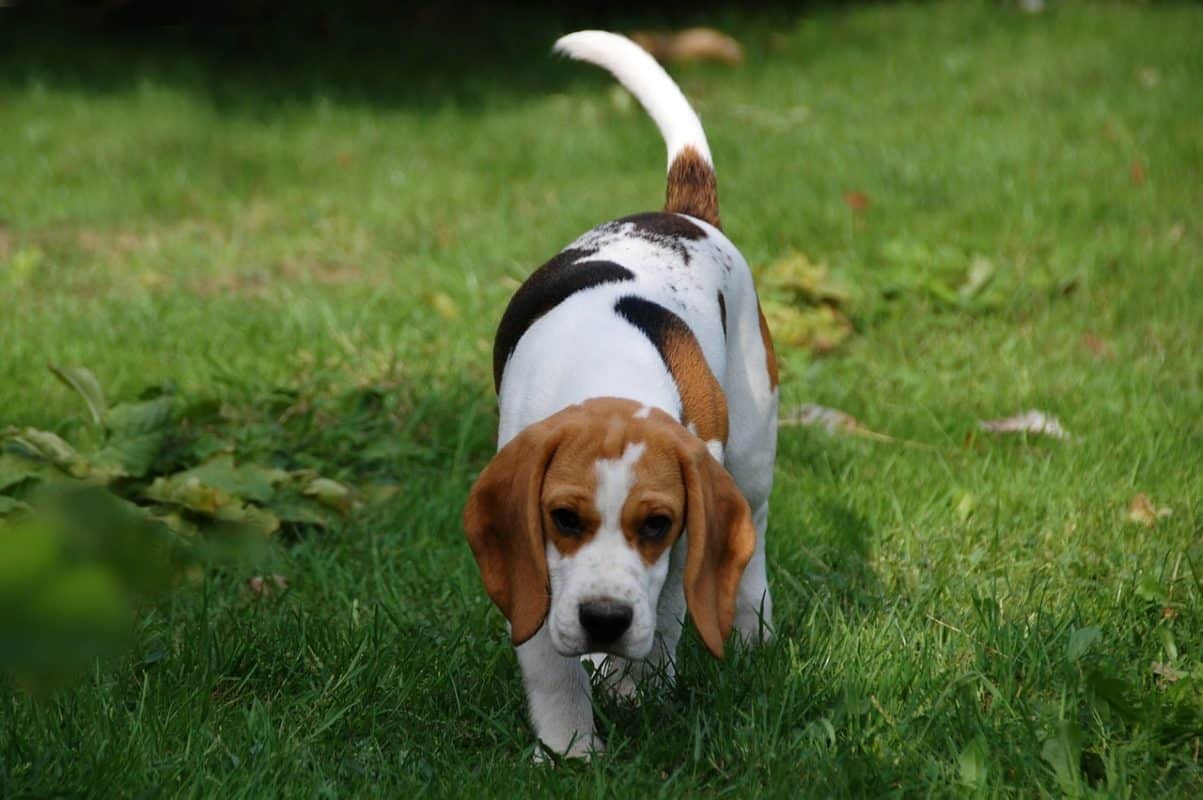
770 355
692 187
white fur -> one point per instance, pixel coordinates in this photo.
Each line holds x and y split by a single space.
643 77
606 568
582 349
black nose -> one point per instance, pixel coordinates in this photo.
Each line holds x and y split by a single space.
605 620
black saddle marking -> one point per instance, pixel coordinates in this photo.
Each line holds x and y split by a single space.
549 285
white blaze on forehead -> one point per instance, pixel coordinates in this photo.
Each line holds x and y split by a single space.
615 477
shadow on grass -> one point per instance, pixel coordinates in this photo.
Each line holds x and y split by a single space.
256 63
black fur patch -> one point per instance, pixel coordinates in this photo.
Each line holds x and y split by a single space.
722 312
656 322
549 285
669 231
658 224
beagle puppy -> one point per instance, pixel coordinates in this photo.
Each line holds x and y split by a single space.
637 388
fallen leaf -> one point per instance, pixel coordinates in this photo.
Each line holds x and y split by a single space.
1096 346
1032 421
690 45
831 420
188 491
330 493
444 306
267 587
1142 511
965 504
981 271
46 447
859 202
1136 172
820 329
803 304
795 274
1166 672
244 481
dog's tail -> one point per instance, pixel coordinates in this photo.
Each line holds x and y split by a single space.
692 186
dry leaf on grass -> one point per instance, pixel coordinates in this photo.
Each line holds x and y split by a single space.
834 421
1097 346
1032 421
1166 672
689 45
443 305
803 304
1136 172
819 329
858 202
1142 511
260 586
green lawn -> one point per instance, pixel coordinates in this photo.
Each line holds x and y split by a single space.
325 251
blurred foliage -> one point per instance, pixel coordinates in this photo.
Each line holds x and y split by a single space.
89 533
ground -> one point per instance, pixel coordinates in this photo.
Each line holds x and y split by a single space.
326 252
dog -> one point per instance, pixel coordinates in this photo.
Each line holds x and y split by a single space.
637 389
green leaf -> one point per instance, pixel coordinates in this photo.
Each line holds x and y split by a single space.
245 481
330 493
49 448
974 764
258 520
292 506
1080 642
10 505
17 470
1062 751
136 435
1116 692
190 492
85 384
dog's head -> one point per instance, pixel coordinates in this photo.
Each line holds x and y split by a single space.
573 521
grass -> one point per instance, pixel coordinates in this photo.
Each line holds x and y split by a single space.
326 253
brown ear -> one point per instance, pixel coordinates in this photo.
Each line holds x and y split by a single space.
503 521
720 539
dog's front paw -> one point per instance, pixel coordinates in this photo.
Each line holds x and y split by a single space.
752 629
582 747
616 677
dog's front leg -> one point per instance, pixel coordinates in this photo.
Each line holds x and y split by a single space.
557 691
754 603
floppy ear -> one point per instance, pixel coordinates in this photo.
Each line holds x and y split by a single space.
720 539
503 521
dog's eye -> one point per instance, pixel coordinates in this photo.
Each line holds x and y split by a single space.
655 527
567 521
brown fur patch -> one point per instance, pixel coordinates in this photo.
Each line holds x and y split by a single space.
702 400
770 355
692 187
